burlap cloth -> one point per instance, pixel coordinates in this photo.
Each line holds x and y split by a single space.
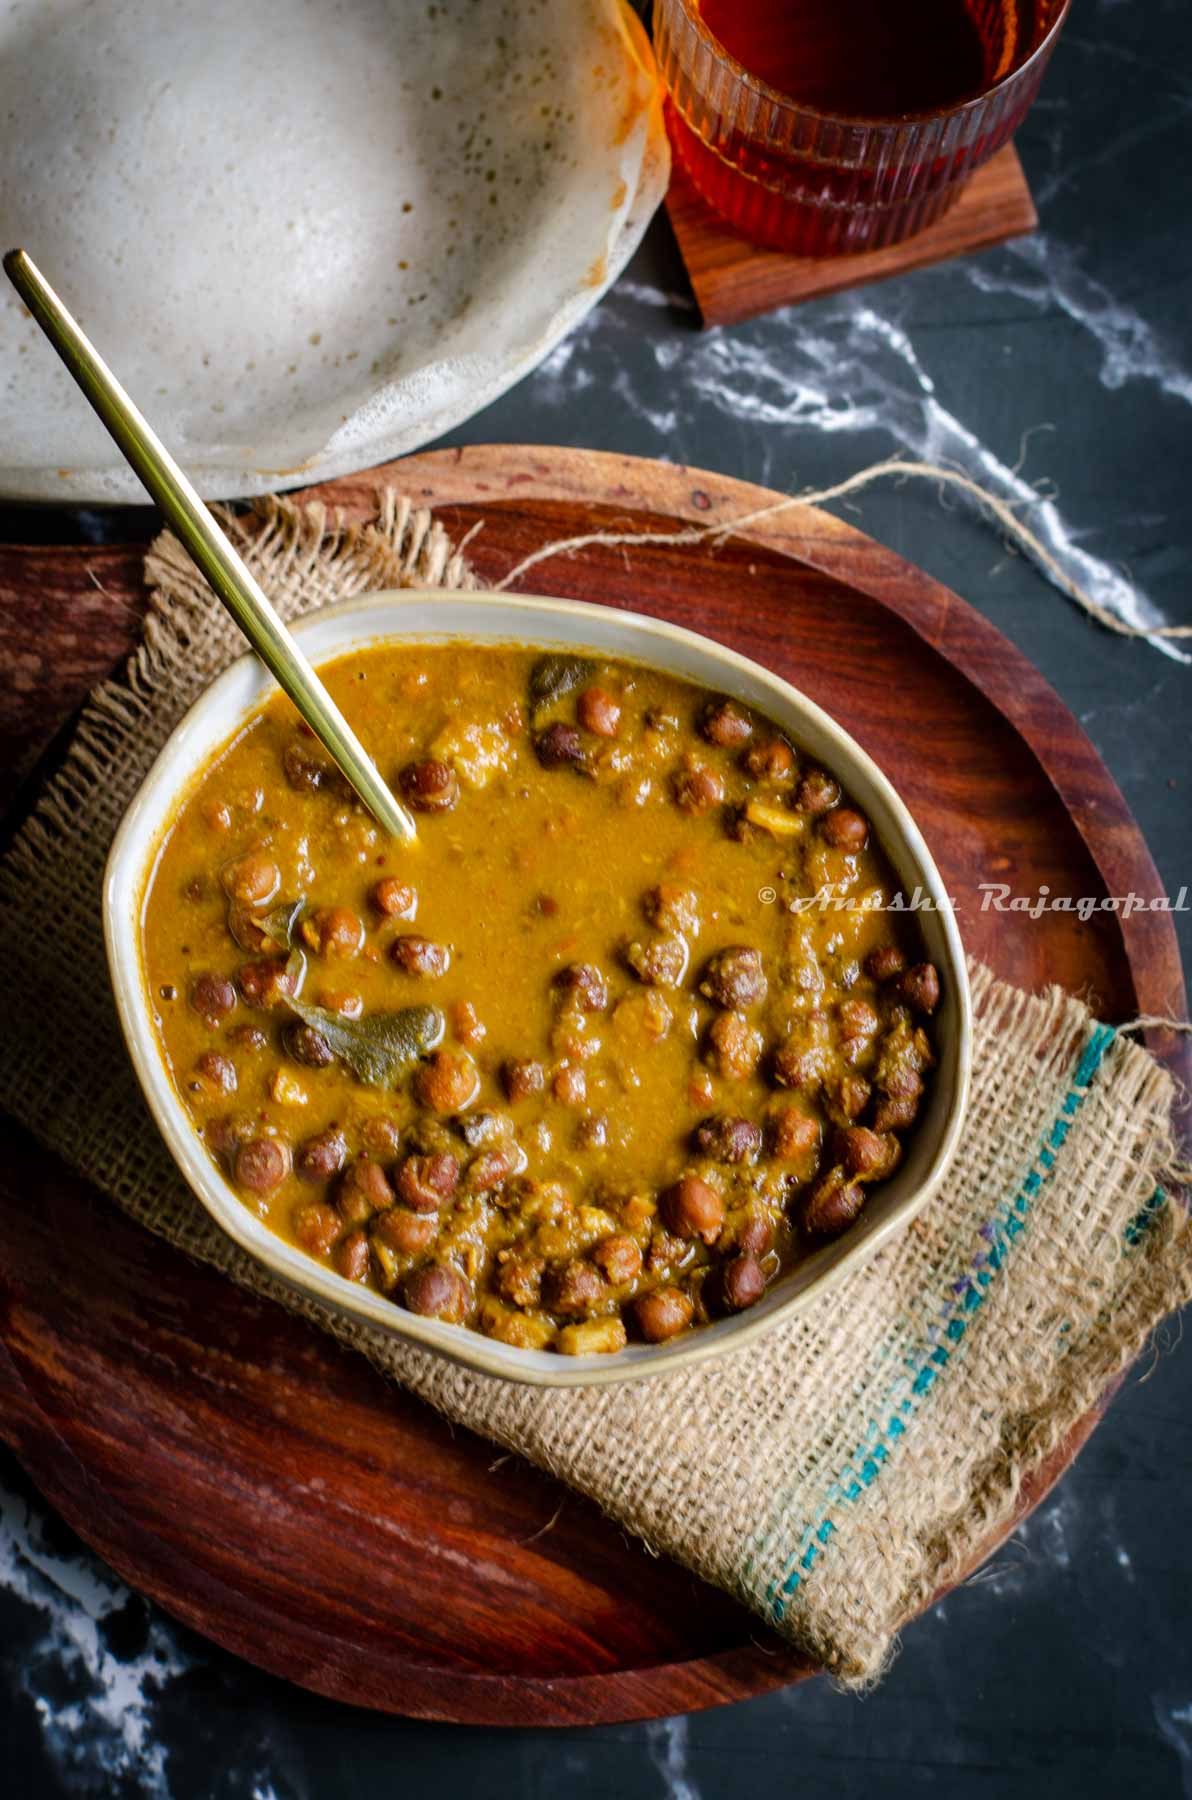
834 1475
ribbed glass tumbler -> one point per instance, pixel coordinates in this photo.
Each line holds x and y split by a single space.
792 177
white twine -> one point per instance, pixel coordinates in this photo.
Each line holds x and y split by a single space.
723 529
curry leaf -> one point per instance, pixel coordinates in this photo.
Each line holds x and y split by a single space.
258 931
280 925
380 1046
552 677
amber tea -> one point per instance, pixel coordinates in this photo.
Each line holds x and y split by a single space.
835 125
860 58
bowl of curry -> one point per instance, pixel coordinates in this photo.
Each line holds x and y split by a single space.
659 1029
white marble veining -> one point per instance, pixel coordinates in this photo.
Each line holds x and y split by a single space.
1044 1541
855 369
1174 1723
668 1741
106 1728
1048 276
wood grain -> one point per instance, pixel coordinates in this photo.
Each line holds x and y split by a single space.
67 617
270 1489
733 279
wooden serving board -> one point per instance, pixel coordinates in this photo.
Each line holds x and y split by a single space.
268 1487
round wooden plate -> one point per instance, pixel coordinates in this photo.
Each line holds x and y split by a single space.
269 1488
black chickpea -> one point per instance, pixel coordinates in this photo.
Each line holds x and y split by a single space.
692 1208
308 768
735 978
363 1189
817 792
599 712
744 1282
447 1083
219 1070
261 1165
863 1152
755 1237
437 1293
728 1140
771 760
267 983
429 786
845 829
559 747
419 956
308 1046
660 963
426 1183
321 1158
394 899
724 723
920 987
662 1314
335 931
832 1205
696 788
408 1233
317 1226
252 880
212 997
522 1078
584 983
352 1257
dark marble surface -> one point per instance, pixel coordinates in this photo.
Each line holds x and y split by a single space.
1063 363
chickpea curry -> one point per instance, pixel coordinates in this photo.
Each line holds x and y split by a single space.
583 1065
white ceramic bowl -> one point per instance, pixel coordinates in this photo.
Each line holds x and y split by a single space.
423 617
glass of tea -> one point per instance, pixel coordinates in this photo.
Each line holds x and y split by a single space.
826 127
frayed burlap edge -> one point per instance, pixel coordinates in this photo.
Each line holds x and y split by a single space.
308 556
731 1502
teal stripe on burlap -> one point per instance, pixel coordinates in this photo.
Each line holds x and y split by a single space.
923 1367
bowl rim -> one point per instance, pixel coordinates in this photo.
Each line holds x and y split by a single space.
149 816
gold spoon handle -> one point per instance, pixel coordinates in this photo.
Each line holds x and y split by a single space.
207 544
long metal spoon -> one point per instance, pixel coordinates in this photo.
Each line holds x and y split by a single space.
207 544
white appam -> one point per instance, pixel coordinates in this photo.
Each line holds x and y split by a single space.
307 234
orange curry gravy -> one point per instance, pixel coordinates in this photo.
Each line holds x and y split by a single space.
575 1069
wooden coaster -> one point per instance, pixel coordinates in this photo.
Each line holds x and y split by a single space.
734 280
